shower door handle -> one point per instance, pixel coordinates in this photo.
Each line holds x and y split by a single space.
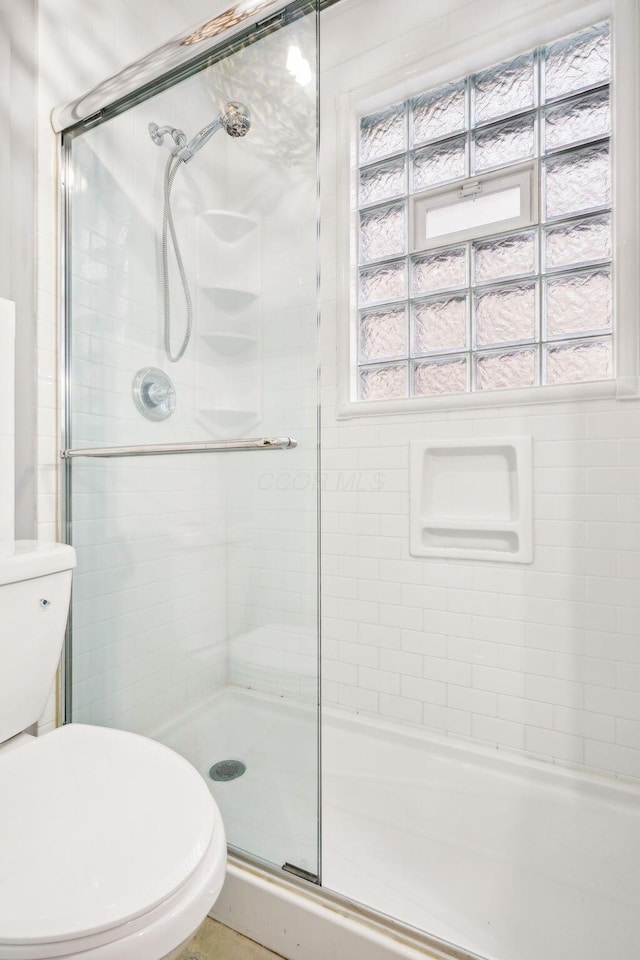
161 449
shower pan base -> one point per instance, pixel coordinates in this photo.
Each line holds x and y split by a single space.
505 856
270 809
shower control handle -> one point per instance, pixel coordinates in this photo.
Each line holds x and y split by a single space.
154 394
157 394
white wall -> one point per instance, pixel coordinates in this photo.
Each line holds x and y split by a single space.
543 658
17 253
7 419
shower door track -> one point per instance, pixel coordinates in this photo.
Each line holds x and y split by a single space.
161 449
276 897
242 23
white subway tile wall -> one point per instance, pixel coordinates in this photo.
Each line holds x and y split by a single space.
544 659
194 571
149 599
272 498
549 656
78 48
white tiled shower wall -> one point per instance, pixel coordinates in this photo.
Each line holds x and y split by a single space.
149 610
167 548
78 46
544 658
272 529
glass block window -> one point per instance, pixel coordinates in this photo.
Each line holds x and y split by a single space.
519 308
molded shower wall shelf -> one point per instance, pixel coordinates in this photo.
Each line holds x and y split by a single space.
228 225
229 395
232 299
229 342
472 499
227 416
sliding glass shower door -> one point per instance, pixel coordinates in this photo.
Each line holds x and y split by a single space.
191 225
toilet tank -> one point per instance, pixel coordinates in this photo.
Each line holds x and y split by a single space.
35 586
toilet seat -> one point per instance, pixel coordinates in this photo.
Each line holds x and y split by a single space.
104 835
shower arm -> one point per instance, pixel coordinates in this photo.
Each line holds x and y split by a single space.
158 134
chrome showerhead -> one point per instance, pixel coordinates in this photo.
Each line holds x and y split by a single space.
236 119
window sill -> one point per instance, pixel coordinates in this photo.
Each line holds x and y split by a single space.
627 388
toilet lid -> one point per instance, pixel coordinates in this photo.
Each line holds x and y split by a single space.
97 827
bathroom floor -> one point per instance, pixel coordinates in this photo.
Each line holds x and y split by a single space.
217 942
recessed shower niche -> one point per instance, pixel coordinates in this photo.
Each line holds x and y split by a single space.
472 499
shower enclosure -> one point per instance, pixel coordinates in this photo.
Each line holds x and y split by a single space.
191 425
481 706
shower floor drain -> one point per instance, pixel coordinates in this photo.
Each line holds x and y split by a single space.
227 770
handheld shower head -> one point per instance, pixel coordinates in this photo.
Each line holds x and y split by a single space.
236 119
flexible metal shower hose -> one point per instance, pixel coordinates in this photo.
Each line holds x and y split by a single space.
168 230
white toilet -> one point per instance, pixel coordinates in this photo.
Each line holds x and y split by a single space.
111 846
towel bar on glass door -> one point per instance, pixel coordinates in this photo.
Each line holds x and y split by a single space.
158 449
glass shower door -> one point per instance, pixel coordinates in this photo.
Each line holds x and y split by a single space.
194 613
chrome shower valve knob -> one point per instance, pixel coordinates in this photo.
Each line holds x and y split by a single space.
154 394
